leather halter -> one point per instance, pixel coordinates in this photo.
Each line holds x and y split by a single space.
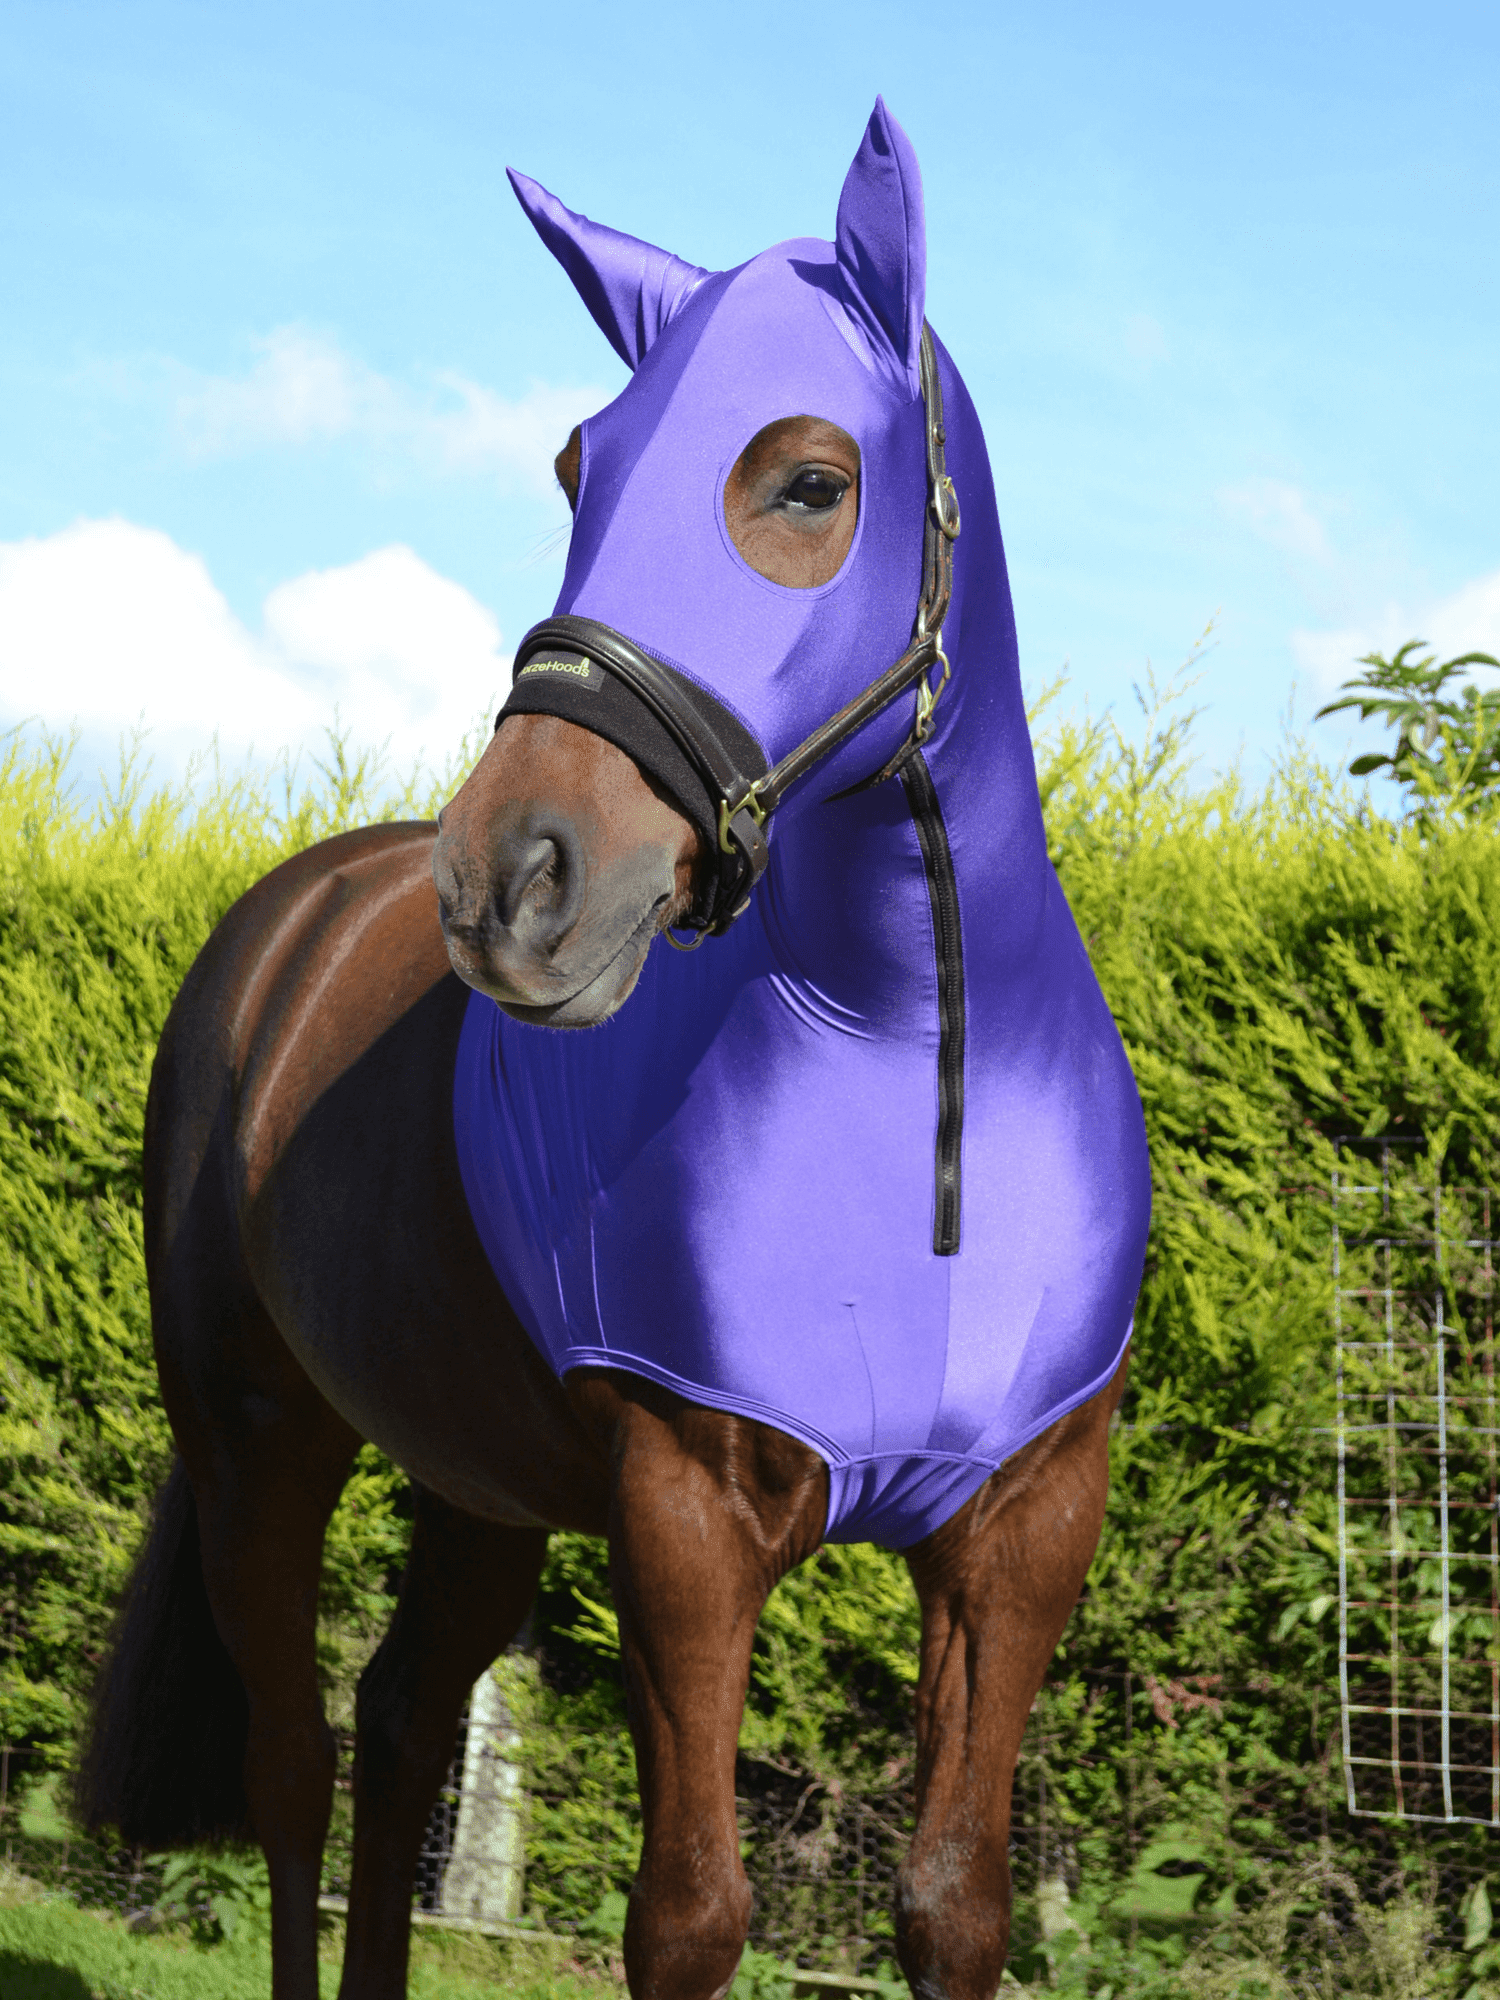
745 800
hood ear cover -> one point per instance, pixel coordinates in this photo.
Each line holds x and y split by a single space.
631 288
634 290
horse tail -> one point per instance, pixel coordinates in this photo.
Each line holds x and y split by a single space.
163 1763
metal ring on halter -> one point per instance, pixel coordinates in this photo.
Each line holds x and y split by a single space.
945 507
928 696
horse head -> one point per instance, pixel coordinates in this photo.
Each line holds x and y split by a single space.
747 552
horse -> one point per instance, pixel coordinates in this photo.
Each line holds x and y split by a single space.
826 1223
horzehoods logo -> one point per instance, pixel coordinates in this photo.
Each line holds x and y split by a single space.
582 670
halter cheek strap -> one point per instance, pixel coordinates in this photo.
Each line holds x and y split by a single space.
741 790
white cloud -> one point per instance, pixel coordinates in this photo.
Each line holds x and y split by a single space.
107 619
488 433
1467 621
1329 658
302 388
1278 514
108 624
405 652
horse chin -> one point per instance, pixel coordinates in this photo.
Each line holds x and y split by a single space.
586 1009
601 994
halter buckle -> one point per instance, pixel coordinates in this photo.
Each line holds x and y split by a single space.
727 813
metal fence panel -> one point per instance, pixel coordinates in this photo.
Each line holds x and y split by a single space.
1418 1530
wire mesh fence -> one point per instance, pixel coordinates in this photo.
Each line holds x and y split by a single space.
1419 1532
823 1864
823 1868
38 1841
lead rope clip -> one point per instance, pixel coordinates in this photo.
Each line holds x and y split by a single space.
928 696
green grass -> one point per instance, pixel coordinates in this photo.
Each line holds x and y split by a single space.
52 1951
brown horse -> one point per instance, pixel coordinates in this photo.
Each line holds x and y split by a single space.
316 1279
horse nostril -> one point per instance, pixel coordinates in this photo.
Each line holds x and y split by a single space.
445 881
539 881
529 869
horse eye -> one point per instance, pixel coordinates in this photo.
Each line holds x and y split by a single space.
817 490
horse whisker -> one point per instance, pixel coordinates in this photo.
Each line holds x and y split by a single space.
550 543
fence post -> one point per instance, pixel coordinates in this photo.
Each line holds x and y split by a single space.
485 1875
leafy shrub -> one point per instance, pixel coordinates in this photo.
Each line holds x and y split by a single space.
1447 752
216 1895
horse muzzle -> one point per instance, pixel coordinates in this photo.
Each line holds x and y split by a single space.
555 867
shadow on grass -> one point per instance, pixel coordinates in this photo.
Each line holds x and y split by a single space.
32 1979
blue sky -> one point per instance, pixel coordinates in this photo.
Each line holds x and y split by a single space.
282 366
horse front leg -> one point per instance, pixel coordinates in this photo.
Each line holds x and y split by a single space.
707 1512
996 1585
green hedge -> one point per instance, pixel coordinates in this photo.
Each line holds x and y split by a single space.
1286 965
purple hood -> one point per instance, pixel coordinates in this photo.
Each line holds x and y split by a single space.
731 1186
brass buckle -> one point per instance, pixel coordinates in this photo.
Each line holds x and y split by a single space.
727 812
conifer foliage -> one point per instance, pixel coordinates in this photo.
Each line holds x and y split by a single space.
1288 964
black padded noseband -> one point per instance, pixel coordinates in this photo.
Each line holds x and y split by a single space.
677 732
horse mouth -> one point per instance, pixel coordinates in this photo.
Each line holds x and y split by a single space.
597 994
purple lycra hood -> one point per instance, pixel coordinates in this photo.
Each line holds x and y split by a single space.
805 329
870 1167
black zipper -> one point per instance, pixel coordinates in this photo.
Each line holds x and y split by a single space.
942 887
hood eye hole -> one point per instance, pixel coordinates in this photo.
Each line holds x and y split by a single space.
792 501
817 490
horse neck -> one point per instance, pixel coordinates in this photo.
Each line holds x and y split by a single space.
850 906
